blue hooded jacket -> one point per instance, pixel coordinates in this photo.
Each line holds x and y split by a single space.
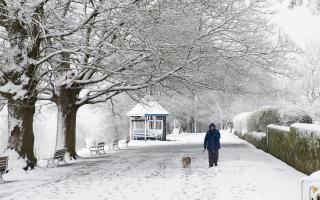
212 139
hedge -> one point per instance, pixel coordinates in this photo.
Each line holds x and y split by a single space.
258 142
259 119
299 147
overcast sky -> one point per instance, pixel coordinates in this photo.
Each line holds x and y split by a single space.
299 23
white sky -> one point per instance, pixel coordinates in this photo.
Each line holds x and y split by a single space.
299 23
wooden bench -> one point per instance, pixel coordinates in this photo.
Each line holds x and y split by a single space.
98 149
114 145
3 167
58 155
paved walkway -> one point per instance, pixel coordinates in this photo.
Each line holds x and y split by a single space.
244 173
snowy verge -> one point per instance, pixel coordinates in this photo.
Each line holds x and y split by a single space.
172 139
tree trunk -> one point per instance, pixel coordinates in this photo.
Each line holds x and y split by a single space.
20 124
67 117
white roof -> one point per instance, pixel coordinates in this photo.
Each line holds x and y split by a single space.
147 108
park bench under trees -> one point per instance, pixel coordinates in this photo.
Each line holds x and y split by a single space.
98 149
114 145
3 167
58 155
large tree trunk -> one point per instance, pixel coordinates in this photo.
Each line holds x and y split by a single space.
67 117
20 124
25 41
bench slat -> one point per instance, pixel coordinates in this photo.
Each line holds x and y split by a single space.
3 163
59 156
59 153
3 158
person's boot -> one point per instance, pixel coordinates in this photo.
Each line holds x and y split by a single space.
215 164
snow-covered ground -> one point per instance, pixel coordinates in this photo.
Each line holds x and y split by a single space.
152 170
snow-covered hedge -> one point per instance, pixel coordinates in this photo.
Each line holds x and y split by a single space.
240 122
259 120
277 142
263 117
291 116
297 145
258 139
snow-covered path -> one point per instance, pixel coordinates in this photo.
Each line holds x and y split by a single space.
154 172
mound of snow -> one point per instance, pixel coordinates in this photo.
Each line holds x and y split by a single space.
316 174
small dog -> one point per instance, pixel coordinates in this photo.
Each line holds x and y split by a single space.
186 162
315 193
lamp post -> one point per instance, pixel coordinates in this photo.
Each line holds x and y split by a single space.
195 113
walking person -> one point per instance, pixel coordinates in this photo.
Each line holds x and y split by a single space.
212 144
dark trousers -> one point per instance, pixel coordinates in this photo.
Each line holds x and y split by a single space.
213 156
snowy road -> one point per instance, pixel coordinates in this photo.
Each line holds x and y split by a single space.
146 172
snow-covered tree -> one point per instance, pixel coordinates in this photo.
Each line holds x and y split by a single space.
20 53
84 52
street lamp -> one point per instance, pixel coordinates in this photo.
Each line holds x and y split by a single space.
195 113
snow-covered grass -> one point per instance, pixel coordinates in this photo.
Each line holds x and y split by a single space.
144 171
172 139
98 123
